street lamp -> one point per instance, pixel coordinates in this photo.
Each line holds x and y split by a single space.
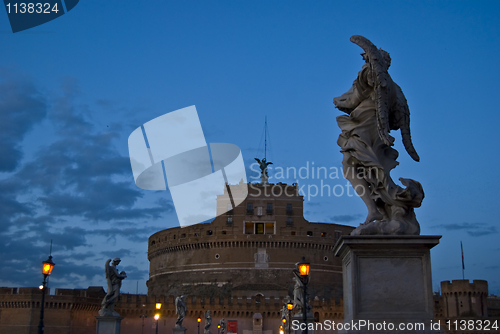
199 320
157 315
47 267
142 316
303 268
218 328
289 306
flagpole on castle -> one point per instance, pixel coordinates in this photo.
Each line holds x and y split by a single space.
463 264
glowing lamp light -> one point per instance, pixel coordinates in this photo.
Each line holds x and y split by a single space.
303 267
283 320
218 326
289 306
40 286
157 316
47 266
199 320
158 306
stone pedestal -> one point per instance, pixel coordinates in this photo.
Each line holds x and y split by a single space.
387 279
179 330
309 321
108 325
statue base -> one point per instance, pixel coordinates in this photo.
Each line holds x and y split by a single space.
179 330
387 282
108 325
309 322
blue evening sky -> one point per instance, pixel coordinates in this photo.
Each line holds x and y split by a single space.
73 89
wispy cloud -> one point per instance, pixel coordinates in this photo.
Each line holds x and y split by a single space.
22 105
345 218
474 230
79 178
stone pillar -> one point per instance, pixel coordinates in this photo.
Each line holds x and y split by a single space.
108 325
387 279
179 330
299 320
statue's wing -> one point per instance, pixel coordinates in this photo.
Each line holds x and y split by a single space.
258 160
400 119
107 268
382 81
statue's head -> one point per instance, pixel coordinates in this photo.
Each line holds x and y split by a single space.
116 261
387 57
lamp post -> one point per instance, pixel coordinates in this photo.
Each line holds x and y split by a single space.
142 316
218 328
157 315
289 307
303 268
47 267
284 324
199 320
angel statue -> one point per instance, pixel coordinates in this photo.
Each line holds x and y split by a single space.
375 105
298 294
208 322
114 279
222 326
263 169
180 310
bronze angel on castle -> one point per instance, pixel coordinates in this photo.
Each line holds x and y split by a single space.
375 105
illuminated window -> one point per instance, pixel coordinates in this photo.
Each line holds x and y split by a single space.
249 229
259 228
269 228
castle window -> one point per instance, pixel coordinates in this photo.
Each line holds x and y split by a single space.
153 242
183 235
292 233
338 234
323 234
209 232
259 211
309 233
289 222
289 210
196 234
229 220
250 209
259 228
269 228
224 232
249 228
269 210
174 236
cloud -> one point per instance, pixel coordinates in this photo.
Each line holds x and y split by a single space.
474 230
79 177
21 107
345 218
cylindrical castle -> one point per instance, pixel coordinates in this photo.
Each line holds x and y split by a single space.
249 250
